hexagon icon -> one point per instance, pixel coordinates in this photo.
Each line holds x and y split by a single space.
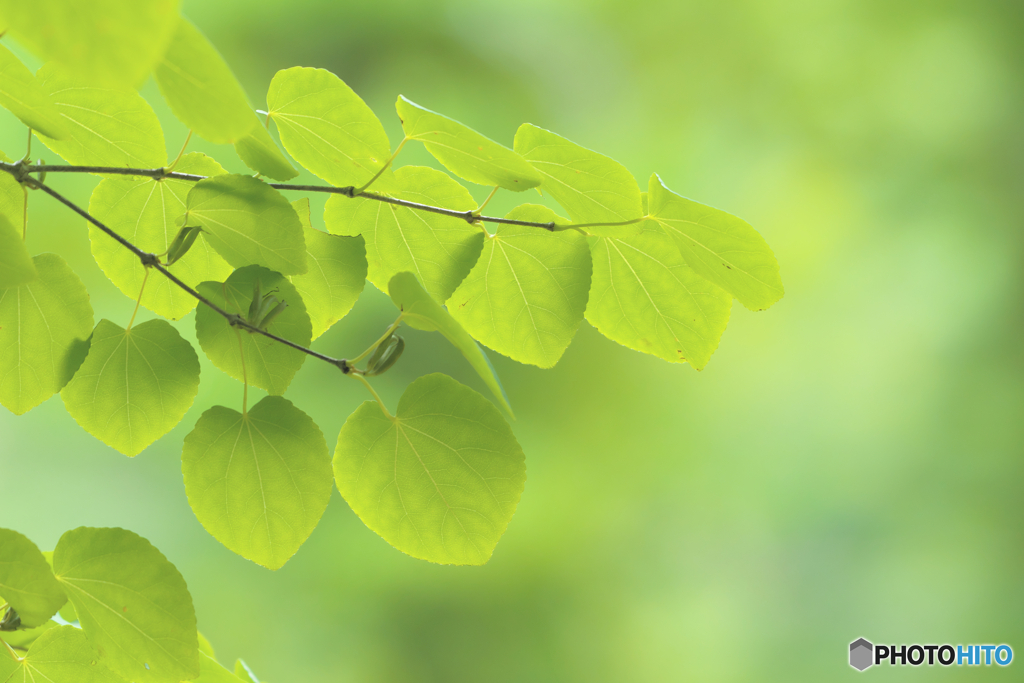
861 654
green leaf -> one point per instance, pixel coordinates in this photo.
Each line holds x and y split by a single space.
26 581
269 365
441 479
326 127
248 222
719 247
107 42
143 211
421 312
258 482
44 331
62 653
441 250
243 672
16 266
464 152
134 386
21 94
132 603
590 186
24 637
645 297
12 197
337 273
526 295
108 126
204 646
211 671
200 88
258 151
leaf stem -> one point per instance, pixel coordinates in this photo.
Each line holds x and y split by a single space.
367 352
10 649
24 214
245 375
145 277
379 401
577 226
180 152
384 167
480 208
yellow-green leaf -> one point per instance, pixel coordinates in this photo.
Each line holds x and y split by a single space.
200 88
21 94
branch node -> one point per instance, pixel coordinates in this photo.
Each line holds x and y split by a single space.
149 260
470 216
349 191
550 226
236 320
343 365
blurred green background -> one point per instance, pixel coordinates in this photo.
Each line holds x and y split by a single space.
848 464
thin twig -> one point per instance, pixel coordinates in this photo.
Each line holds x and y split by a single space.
151 261
350 191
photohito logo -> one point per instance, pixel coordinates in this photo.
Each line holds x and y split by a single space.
864 654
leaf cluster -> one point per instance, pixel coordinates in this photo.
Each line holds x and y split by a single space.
441 476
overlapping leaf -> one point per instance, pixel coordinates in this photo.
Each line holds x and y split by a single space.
62 653
107 42
12 197
440 250
258 482
143 211
268 364
645 297
200 88
464 152
590 186
337 273
21 94
441 479
132 603
526 294
719 247
106 126
258 151
421 312
16 267
248 222
134 385
44 328
327 128
26 582
211 671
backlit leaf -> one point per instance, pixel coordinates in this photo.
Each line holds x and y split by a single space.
326 127
440 250
421 312
107 42
200 88
26 582
44 331
132 603
106 126
61 653
16 266
645 297
143 211
590 186
337 273
719 247
258 482
23 638
258 151
21 94
248 222
441 479
464 152
12 198
134 385
526 295
269 365
211 671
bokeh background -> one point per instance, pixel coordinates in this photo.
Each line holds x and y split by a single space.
850 462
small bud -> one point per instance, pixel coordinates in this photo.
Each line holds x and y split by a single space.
184 240
274 312
385 355
257 302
